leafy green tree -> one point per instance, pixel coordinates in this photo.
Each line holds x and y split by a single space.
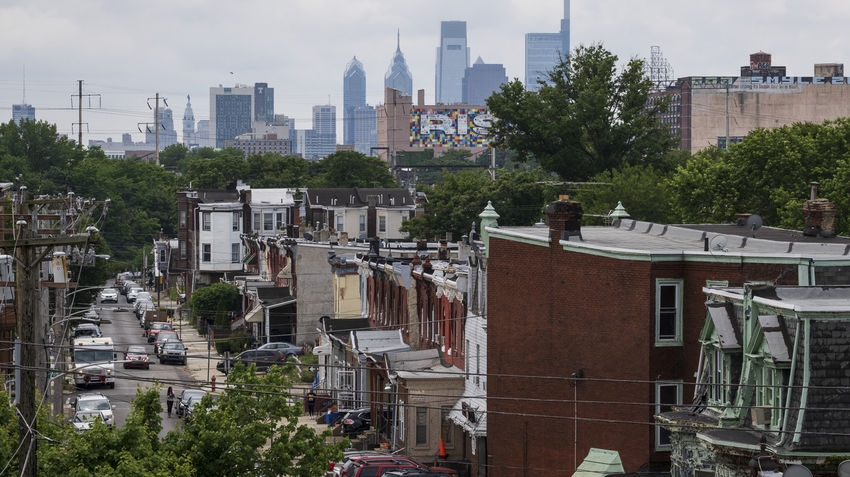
587 119
252 430
39 154
218 297
642 189
455 203
276 171
218 172
352 169
172 156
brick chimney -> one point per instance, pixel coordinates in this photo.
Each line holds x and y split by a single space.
818 216
371 217
564 220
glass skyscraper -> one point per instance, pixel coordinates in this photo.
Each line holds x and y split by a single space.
353 96
365 129
452 61
481 80
398 75
22 111
322 141
543 51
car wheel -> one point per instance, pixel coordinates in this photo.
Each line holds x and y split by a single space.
161 361
147 366
112 385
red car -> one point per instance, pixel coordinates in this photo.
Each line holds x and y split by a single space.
136 357
377 464
156 327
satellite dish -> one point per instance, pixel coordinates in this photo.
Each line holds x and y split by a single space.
797 470
844 469
718 243
754 223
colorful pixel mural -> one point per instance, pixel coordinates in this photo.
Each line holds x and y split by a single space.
444 127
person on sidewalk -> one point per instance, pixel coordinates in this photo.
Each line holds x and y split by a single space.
169 400
311 402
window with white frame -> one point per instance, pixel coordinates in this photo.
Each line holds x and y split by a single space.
382 223
256 223
235 221
362 223
477 364
770 391
668 312
206 221
667 395
206 252
235 248
279 220
268 221
340 223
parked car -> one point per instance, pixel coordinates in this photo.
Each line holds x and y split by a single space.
136 357
377 464
263 358
431 472
91 314
172 350
288 349
156 327
109 295
357 421
94 402
84 420
162 337
133 293
188 399
87 330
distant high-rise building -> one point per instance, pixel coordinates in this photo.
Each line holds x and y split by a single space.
365 129
22 111
452 61
204 134
353 96
481 80
543 51
398 75
321 142
167 133
231 113
263 102
190 138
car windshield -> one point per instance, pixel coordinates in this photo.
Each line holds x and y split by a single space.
85 332
92 355
193 395
94 405
161 326
162 336
136 350
173 345
86 416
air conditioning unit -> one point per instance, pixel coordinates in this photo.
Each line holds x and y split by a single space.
761 415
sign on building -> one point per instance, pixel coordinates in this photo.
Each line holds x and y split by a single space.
460 127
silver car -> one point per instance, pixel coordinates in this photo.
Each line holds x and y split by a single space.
94 403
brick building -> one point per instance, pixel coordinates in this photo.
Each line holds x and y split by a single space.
593 330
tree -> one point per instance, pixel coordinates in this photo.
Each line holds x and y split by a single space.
455 203
39 154
276 171
218 172
586 119
642 189
218 297
352 169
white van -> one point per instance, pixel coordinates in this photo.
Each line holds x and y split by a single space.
94 361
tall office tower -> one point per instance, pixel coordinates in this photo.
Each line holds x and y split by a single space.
167 133
22 111
231 113
204 135
189 137
481 80
323 140
452 61
263 102
353 96
365 129
543 51
398 75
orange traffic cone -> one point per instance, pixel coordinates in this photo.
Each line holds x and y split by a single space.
443 454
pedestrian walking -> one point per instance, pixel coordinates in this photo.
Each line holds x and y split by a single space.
311 402
169 400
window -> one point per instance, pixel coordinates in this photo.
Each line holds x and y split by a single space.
162 255
236 221
446 426
268 221
279 220
207 252
205 221
769 394
477 364
182 250
467 360
182 219
667 395
421 425
256 223
668 312
234 252
340 223
382 223
362 224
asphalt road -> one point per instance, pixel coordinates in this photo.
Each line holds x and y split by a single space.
124 330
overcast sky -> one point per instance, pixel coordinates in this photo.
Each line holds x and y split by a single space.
127 51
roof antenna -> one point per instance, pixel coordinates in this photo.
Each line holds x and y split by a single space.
24 99
398 39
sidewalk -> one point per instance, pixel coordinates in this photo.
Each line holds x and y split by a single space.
201 355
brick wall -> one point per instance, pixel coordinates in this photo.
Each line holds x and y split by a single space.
553 313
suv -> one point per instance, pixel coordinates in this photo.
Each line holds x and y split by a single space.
87 330
172 350
263 358
109 294
156 327
375 465
287 349
356 421
86 403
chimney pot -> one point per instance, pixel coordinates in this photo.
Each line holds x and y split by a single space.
564 220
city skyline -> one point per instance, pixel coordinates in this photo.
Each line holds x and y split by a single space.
126 69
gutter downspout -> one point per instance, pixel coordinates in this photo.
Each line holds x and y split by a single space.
806 379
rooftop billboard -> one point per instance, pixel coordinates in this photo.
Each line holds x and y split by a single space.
449 127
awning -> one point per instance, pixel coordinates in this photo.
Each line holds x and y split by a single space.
255 315
322 349
470 414
599 463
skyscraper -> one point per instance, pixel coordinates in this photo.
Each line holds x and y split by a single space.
398 75
263 102
452 61
231 113
353 96
190 138
481 80
167 133
365 129
22 111
543 51
322 141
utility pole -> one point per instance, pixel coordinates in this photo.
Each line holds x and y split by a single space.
29 251
155 123
79 96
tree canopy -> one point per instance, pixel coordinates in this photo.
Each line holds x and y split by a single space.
586 119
